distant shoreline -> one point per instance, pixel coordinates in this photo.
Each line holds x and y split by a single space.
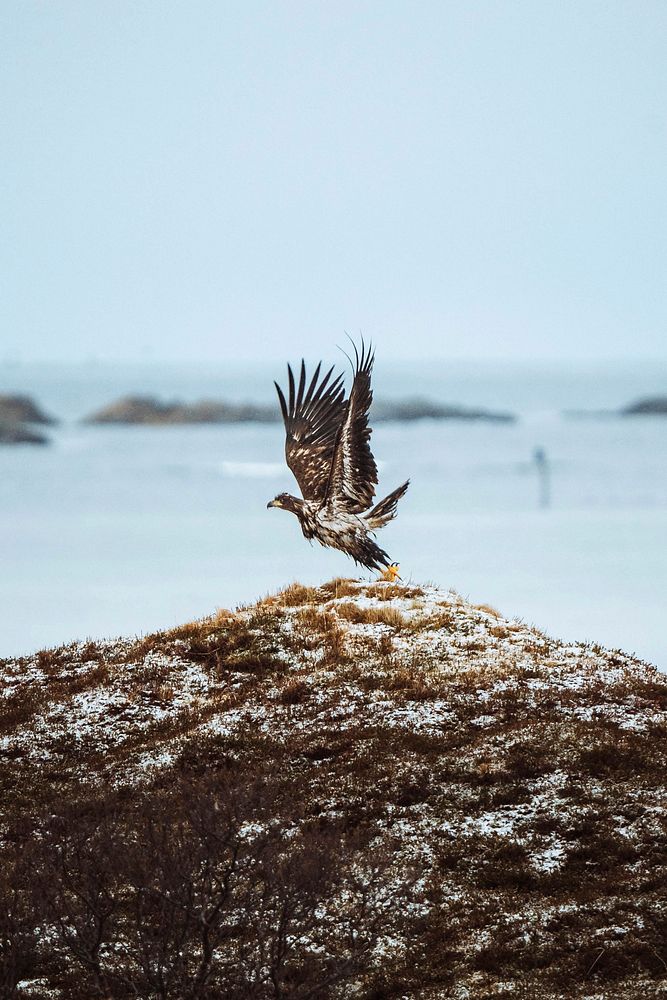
150 410
22 419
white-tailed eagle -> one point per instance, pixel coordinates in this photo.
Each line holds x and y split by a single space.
328 449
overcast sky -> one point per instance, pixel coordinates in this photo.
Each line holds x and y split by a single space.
207 179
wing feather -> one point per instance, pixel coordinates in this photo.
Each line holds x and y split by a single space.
354 475
312 416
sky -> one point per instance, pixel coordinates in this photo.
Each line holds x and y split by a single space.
206 180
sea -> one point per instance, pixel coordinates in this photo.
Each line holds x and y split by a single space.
116 530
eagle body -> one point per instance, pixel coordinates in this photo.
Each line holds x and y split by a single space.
327 448
344 531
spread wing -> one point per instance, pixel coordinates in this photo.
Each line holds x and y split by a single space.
312 417
354 473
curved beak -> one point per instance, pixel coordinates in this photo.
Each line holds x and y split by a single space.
272 503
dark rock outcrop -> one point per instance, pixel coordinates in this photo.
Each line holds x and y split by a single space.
649 406
22 410
148 410
426 409
19 434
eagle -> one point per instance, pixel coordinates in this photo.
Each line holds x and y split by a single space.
327 448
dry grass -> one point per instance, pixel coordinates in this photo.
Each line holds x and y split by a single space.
445 620
499 631
295 692
222 616
431 751
488 609
341 587
17 709
371 616
335 649
315 618
318 628
382 591
385 645
413 684
296 594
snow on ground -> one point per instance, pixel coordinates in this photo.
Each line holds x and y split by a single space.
484 748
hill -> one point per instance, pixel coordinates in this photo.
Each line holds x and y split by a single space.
363 791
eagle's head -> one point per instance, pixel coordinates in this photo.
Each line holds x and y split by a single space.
285 501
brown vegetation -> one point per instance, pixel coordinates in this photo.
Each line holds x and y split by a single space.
320 796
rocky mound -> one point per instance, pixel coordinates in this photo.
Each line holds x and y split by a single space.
353 791
427 409
17 413
147 410
22 410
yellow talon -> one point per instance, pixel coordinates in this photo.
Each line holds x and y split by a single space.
390 574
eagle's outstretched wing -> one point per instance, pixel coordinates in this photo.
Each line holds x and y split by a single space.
312 417
354 474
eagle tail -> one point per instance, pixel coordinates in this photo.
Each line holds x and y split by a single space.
385 510
368 554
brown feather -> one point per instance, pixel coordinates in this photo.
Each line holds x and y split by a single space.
327 448
354 474
312 418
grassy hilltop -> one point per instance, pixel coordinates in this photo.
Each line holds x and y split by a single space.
363 791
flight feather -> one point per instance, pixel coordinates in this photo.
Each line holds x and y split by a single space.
312 417
354 474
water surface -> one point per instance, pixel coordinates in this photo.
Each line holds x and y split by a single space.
117 530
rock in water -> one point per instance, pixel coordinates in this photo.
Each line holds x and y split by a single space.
651 406
22 410
405 410
147 410
11 433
